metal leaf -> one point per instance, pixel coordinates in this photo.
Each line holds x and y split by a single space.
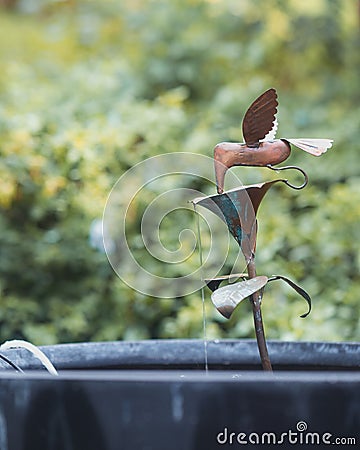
226 298
238 208
259 118
297 288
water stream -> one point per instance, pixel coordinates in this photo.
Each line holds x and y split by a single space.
202 292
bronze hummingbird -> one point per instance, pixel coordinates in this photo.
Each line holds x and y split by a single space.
260 148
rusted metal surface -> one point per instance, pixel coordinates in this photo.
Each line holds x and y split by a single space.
260 123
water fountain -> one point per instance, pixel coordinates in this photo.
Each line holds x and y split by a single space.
157 395
238 207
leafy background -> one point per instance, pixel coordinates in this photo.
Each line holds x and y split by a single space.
88 89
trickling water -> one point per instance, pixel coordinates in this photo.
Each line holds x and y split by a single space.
202 292
204 331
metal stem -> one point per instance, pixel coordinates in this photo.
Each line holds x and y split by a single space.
258 322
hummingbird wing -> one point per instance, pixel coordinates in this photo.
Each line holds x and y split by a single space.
259 118
315 147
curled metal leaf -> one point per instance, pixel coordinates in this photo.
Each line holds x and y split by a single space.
297 288
226 298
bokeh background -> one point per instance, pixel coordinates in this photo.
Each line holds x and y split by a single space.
90 88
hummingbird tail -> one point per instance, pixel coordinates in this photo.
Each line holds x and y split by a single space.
315 147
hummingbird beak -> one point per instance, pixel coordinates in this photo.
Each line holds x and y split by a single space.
220 171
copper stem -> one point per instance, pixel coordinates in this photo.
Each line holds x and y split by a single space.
258 322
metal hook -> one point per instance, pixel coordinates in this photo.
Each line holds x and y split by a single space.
278 169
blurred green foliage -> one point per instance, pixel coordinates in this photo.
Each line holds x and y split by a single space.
88 89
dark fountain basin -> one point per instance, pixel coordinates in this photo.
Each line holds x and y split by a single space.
157 395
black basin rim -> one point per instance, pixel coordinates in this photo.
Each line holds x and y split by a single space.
189 354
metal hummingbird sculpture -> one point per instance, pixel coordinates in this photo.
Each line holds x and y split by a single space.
238 207
260 148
